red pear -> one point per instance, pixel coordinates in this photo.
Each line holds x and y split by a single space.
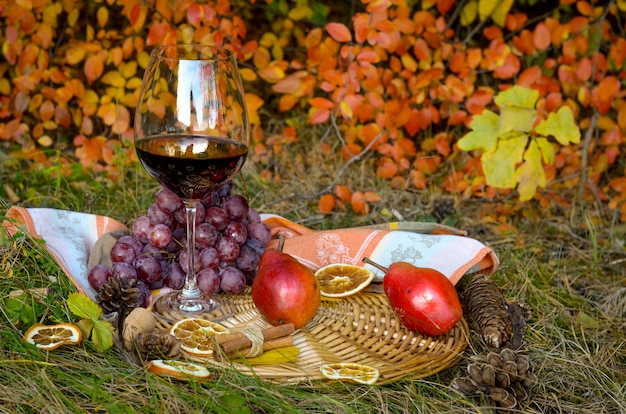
284 290
424 299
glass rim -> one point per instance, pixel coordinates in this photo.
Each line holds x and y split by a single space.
216 53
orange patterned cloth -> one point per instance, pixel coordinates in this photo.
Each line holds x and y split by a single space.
70 236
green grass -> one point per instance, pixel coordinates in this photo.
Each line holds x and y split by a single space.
569 272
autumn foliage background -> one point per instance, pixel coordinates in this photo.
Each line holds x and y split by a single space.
398 80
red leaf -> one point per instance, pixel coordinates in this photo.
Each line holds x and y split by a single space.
339 32
195 13
583 69
541 36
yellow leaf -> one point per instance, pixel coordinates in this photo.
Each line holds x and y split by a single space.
133 83
469 12
499 166
5 86
561 126
253 103
621 4
409 63
75 55
128 69
45 141
248 74
114 78
102 15
427 4
547 150
517 96
484 133
514 118
72 18
496 9
531 173
275 356
300 13
345 109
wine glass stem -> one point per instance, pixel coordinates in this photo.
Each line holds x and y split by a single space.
191 290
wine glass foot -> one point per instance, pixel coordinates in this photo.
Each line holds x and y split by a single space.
172 307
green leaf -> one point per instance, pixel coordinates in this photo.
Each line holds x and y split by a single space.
547 150
83 306
515 118
531 173
102 335
517 96
484 133
499 166
561 126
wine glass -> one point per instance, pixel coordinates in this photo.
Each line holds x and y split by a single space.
191 135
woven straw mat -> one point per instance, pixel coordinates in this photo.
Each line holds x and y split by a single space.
361 328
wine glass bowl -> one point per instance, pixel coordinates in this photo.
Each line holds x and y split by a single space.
191 135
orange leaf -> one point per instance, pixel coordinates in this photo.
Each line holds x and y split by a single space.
195 13
318 116
339 32
321 103
583 69
376 6
387 168
46 111
584 8
418 179
62 116
359 205
326 203
529 76
343 192
542 38
94 66
157 33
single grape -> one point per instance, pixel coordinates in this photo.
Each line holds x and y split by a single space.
232 280
157 285
152 250
175 277
149 268
183 258
225 189
236 231
209 257
141 228
122 252
212 199
217 216
228 249
208 281
260 231
167 200
160 236
99 275
248 259
206 235
253 215
125 271
257 245
158 216
144 297
133 241
236 206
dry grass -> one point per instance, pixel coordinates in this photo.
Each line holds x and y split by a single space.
567 271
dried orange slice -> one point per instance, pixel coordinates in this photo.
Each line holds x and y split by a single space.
51 337
196 335
178 369
350 371
340 280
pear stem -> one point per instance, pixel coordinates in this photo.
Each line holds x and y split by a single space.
376 265
281 243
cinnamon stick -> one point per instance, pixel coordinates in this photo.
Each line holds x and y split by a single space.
280 342
237 340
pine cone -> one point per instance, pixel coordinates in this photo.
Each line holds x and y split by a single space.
487 311
120 295
157 345
503 378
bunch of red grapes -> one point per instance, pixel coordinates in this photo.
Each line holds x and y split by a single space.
230 239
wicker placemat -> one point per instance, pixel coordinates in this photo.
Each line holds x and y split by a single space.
361 328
